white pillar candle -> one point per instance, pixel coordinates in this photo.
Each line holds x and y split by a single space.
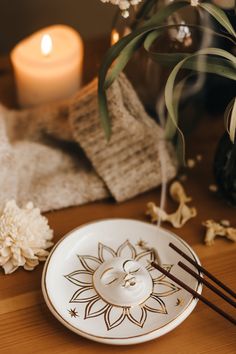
48 65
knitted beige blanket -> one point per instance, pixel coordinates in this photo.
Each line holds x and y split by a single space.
57 156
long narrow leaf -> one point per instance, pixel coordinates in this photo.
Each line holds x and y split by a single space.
123 59
214 65
227 113
165 12
145 10
232 126
169 89
150 38
172 126
219 15
207 31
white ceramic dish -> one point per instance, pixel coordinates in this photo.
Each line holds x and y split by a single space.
99 283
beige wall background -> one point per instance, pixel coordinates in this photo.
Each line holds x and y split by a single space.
19 18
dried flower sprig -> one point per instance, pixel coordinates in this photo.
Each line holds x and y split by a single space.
24 237
214 229
183 213
124 5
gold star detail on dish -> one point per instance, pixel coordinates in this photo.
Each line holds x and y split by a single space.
73 313
142 244
179 302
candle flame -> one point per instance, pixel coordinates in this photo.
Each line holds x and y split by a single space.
114 37
46 45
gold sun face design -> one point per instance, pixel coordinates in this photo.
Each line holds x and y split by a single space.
121 284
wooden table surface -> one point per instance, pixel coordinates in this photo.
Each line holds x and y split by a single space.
27 326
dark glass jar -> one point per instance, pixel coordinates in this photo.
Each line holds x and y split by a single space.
219 90
225 169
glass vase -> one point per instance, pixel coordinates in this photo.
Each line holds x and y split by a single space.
149 77
225 169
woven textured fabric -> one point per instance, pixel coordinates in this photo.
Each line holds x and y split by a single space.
130 163
57 155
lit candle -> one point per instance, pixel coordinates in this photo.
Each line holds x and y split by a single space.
48 65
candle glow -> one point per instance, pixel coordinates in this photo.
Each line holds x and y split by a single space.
46 45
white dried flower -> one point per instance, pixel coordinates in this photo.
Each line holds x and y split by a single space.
124 5
24 237
125 14
213 188
225 223
194 2
214 229
199 157
191 163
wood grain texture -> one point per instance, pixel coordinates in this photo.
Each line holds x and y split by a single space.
27 326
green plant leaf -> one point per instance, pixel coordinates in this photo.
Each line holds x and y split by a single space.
219 15
208 31
150 38
232 125
169 89
172 126
122 60
145 10
118 56
132 40
227 114
165 12
211 65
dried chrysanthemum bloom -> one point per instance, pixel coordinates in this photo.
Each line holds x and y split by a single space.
194 2
124 5
24 237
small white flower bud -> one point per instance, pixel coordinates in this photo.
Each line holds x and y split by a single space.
125 14
124 5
